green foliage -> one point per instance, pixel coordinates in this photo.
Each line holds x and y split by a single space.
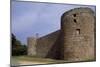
17 47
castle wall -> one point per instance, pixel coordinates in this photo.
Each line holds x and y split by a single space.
32 42
45 45
75 41
78 27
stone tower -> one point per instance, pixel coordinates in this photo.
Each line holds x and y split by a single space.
78 34
32 42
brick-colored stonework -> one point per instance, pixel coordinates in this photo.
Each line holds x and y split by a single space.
75 41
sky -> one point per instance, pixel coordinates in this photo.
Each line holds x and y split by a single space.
30 18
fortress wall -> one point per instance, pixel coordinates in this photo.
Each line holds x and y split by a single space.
74 42
46 43
32 42
78 27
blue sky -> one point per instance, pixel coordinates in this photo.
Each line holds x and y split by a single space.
29 18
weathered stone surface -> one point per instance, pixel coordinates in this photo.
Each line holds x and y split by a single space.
78 35
47 46
75 41
32 42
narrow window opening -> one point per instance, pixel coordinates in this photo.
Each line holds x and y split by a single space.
74 15
75 21
77 31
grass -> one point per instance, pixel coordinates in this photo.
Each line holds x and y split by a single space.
30 60
27 60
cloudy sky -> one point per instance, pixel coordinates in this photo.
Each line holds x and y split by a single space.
29 18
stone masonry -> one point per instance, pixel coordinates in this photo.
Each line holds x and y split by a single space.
78 34
32 42
75 41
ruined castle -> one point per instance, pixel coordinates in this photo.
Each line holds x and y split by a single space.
75 41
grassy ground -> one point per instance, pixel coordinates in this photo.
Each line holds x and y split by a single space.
33 60
27 60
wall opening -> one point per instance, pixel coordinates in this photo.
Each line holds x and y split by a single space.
77 31
75 21
74 15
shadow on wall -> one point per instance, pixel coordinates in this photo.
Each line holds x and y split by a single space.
69 43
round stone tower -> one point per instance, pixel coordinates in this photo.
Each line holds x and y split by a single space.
78 34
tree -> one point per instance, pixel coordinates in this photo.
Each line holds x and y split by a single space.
17 47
